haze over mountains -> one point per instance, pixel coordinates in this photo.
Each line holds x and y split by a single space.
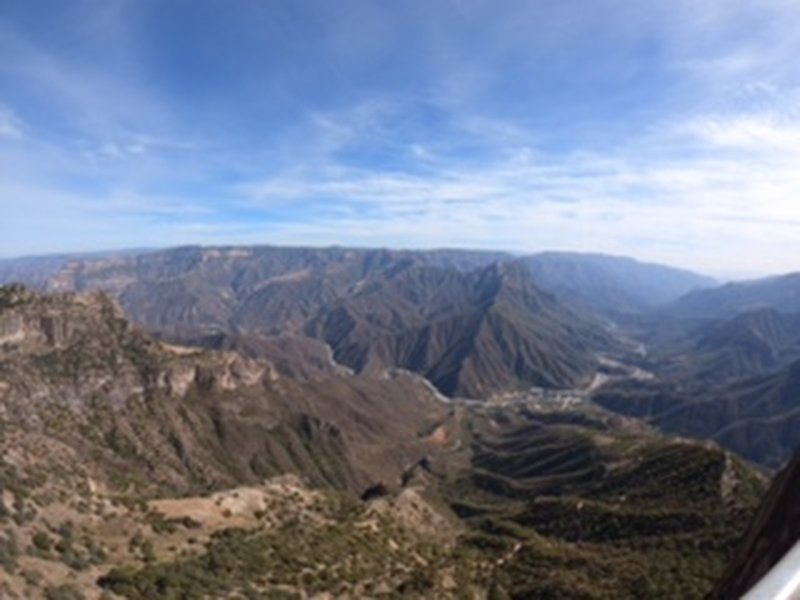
611 285
780 292
519 402
447 315
473 323
246 297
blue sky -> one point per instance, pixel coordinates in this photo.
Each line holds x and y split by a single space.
668 131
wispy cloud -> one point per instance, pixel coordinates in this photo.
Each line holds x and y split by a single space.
693 192
666 131
10 125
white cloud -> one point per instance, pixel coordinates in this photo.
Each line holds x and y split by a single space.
752 133
10 124
695 194
705 175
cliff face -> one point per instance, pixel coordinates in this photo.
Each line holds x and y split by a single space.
772 533
69 349
170 418
470 326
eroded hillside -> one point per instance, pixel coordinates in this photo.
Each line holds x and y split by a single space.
138 468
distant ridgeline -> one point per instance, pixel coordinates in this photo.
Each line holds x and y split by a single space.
716 362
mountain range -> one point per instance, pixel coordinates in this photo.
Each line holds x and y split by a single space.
470 331
120 449
476 324
615 287
781 293
187 419
733 380
756 417
503 424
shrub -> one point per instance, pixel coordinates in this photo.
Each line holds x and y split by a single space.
42 541
63 592
32 577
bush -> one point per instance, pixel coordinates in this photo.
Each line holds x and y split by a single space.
42 541
148 553
32 578
64 592
9 552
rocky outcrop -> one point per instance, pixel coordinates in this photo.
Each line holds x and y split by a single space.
772 533
176 418
472 323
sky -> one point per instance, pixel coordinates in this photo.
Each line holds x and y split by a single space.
667 131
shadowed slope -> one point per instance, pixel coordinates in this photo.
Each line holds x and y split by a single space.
470 326
773 532
162 416
471 334
758 417
612 286
781 293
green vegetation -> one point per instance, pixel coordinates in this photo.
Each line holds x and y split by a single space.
338 555
566 517
9 551
536 500
66 591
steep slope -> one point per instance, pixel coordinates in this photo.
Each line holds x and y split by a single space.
551 504
612 286
139 467
731 380
164 418
96 417
33 271
713 352
751 342
194 291
772 533
582 504
757 417
471 334
781 293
